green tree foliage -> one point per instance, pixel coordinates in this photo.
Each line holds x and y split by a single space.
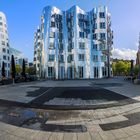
18 69
136 70
121 67
31 70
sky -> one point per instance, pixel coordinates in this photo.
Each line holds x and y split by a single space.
23 17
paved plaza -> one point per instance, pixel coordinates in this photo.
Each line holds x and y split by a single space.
107 109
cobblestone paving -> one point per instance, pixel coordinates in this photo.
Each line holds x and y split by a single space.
111 123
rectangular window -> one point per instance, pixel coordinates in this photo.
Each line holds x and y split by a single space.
103 58
70 57
102 14
102 36
95 58
81 45
51 45
102 47
80 71
95 26
3 50
81 34
50 72
0 18
52 34
96 72
51 57
3 42
95 36
52 24
104 72
81 57
4 57
102 25
95 47
61 59
1 23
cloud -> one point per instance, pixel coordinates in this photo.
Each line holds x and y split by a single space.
126 54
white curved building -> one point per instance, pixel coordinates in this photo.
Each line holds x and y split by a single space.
4 45
73 44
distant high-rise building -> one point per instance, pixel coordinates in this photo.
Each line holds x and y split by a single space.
4 45
18 56
73 44
138 53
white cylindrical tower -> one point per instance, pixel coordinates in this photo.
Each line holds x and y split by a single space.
4 45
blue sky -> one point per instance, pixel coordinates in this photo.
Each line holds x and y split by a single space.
24 16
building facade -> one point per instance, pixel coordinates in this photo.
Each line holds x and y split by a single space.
18 56
73 44
4 45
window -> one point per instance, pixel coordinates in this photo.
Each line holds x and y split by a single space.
81 45
103 58
94 36
2 36
50 72
61 59
95 25
7 44
81 34
70 57
52 24
102 47
81 57
102 25
51 57
51 45
80 71
4 57
1 23
104 72
3 50
95 58
0 18
52 34
96 72
7 51
102 15
8 65
3 42
95 47
5 64
70 46
102 36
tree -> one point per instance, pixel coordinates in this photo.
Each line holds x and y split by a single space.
13 69
3 70
121 67
31 70
18 69
23 69
136 70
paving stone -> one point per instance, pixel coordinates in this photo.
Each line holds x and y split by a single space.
70 136
95 136
26 133
42 136
84 136
119 134
107 135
